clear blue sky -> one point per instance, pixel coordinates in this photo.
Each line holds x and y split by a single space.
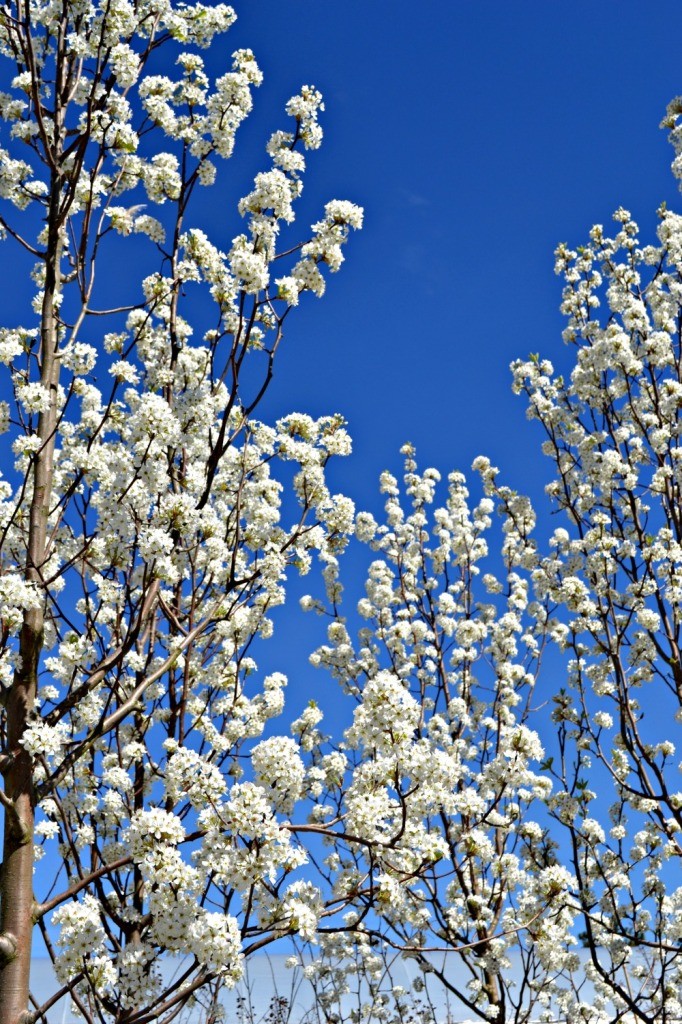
477 134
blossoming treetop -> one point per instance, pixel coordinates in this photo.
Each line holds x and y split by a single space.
143 546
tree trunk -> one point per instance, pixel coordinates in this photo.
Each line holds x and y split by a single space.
16 876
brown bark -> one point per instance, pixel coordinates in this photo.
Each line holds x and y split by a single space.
16 885
16 876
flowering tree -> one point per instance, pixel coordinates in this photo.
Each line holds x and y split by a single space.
443 753
613 431
143 544
538 852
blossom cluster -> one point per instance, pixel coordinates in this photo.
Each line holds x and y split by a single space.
445 785
150 521
614 577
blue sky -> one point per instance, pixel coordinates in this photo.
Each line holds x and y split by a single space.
477 135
